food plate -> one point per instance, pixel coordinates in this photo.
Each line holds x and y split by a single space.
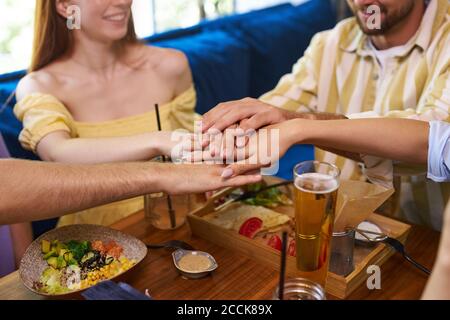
33 263
256 242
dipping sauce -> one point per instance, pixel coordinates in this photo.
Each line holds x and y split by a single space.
194 263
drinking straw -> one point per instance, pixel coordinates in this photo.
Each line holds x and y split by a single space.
169 199
282 266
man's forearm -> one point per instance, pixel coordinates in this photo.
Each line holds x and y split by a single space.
397 139
45 190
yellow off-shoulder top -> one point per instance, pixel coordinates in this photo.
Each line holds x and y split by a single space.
42 114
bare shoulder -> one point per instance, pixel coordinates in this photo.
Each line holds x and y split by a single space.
174 62
169 62
172 65
36 82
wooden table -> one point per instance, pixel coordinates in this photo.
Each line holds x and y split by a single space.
239 277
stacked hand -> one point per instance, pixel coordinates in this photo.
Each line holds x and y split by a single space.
230 136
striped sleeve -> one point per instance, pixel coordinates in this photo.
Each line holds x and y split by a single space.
436 104
298 90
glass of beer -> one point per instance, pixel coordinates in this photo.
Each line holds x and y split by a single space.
316 186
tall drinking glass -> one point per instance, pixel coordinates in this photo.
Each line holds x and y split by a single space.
316 187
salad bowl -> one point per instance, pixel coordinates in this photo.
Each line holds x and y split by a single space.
38 259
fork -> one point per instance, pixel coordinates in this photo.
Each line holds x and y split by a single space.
394 243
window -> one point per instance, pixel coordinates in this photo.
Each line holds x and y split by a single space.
16 34
151 16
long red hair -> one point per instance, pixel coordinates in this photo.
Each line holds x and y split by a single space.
52 38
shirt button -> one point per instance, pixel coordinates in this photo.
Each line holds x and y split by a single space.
375 77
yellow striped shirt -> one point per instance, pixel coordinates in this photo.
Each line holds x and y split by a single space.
339 73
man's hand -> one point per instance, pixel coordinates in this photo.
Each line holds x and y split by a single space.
195 178
248 113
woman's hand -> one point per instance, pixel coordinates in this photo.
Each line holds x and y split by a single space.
265 147
261 149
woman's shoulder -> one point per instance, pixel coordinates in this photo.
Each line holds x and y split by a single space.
171 65
41 81
167 61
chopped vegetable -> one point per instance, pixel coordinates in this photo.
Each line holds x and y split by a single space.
45 246
292 251
51 253
251 227
275 242
270 198
53 262
60 262
78 249
77 265
68 256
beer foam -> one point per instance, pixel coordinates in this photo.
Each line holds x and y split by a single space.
316 183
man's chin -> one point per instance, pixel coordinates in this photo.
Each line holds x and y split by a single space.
371 32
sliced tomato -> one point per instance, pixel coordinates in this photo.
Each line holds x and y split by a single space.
251 227
275 242
292 249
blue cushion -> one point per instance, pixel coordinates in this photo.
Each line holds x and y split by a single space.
278 40
174 34
10 127
233 22
220 64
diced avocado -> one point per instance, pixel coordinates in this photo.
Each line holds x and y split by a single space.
51 253
62 252
54 243
53 262
60 262
68 256
87 256
59 247
45 246
72 262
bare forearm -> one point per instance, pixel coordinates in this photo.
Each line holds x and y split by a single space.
99 150
325 117
35 190
397 139
437 286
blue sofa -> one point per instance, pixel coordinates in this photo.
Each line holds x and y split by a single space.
231 58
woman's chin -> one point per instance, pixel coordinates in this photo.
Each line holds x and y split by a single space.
114 36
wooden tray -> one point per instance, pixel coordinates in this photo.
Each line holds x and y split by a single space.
338 286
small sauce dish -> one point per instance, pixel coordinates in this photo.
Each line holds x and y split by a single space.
194 264
367 226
